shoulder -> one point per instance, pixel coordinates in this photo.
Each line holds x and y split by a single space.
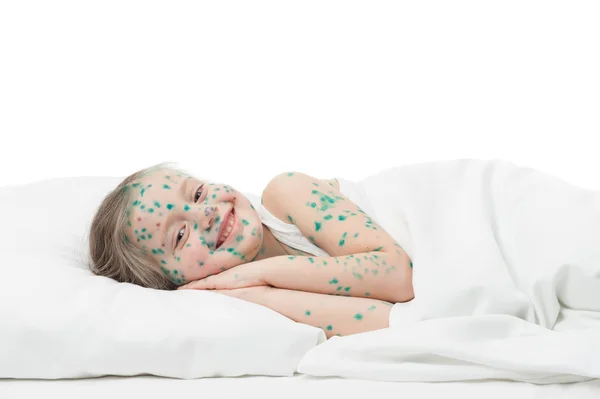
287 180
284 186
323 214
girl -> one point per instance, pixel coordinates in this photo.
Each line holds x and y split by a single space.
165 229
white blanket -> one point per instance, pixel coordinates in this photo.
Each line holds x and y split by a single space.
506 275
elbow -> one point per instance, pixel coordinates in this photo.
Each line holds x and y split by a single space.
401 286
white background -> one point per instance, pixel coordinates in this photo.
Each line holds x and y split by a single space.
239 91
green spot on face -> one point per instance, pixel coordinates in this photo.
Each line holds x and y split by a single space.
341 218
334 281
307 313
327 217
170 206
358 316
342 242
175 272
311 260
163 262
166 187
157 204
317 226
245 222
329 328
372 307
150 210
347 289
195 226
367 294
357 275
136 203
186 207
411 265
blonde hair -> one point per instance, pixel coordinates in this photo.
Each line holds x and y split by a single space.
112 254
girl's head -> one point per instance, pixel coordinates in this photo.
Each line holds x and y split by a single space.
159 229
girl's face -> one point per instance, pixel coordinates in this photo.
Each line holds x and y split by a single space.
179 220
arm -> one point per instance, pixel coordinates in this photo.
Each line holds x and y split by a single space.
336 315
373 274
363 259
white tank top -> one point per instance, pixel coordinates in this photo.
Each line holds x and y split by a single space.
290 235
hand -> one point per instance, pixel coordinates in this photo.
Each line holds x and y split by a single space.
245 275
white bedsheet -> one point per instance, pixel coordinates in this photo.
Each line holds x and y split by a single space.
506 276
151 387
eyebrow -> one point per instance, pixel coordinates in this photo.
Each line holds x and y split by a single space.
168 221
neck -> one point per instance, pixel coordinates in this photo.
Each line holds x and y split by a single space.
270 247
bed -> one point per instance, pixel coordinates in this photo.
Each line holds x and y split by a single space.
298 386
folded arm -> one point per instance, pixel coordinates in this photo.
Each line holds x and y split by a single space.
376 275
336 315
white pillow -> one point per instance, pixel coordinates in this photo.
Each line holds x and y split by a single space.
59 320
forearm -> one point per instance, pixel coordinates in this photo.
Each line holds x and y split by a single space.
377 275
336 315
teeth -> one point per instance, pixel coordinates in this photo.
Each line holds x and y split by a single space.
228 229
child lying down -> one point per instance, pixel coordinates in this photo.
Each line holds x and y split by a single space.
165 229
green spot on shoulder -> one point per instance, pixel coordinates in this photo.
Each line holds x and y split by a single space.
166 187
358 316
342 218
170 206
317 226
333 281
307 313
329 328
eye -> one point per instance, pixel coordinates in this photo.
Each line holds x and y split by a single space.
180 235
199 190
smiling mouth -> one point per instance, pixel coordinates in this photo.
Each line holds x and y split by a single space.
223 232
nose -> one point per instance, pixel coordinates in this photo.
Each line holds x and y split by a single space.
208 213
